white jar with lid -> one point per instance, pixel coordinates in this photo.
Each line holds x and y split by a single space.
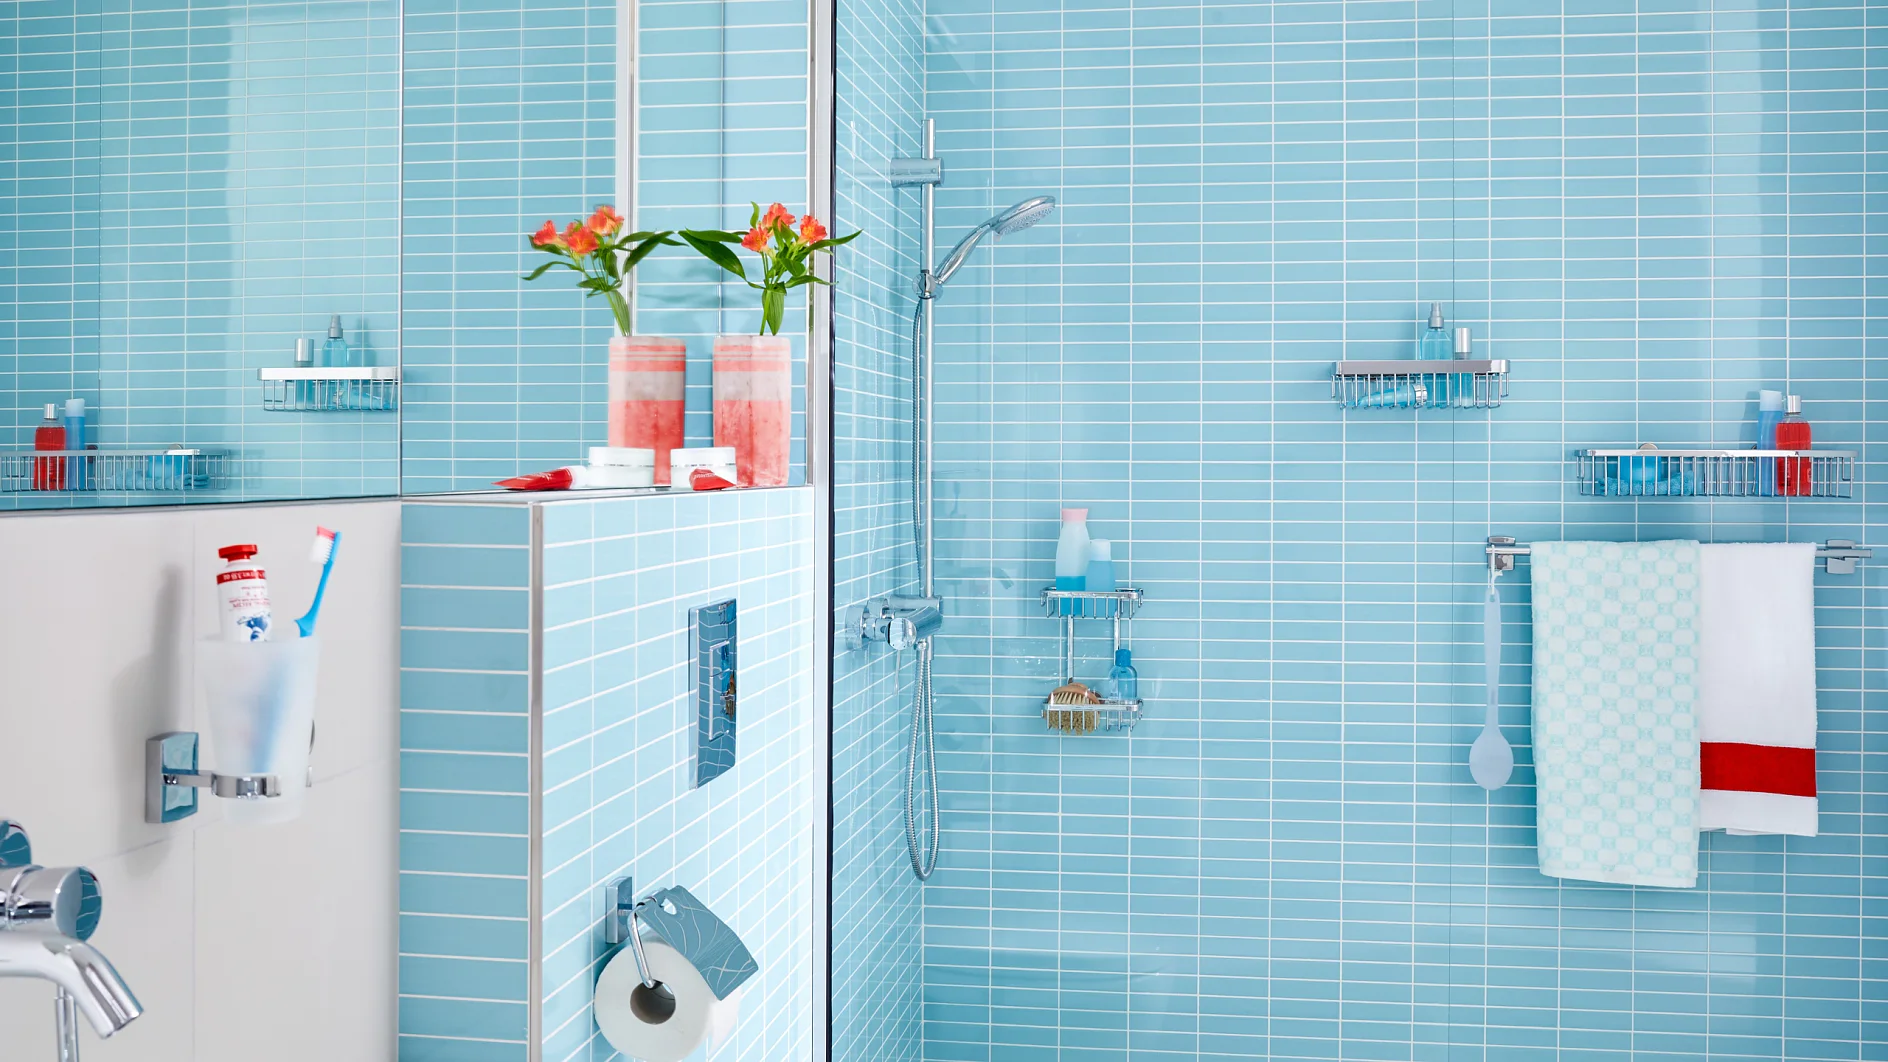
621 466
683 463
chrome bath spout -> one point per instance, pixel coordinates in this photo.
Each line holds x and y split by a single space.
78 968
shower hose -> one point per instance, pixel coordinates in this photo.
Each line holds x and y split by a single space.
923 757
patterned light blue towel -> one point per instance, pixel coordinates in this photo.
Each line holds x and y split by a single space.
1615 689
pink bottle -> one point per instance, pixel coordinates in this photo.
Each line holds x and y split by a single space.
754 406
648 377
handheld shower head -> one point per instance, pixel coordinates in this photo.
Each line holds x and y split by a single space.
1015 219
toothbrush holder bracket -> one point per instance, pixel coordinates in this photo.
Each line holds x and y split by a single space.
171 779
685 924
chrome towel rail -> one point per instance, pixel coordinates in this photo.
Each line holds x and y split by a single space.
1838 555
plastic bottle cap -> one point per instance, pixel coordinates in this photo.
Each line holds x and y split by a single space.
242 552
334 327
1770 400
1123 657
52 411
1463 347
1074 515
1100 549
1793 404
1435 315
75 407
304 351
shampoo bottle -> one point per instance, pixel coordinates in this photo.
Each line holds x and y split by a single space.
1100 574
49 473
75 440
1124 683
1434 344
1071 554
1793 473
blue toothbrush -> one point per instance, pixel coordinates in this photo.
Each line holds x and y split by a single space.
322 553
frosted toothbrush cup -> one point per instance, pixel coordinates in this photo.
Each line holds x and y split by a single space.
261 698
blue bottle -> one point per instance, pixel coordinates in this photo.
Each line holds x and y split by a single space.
336 355
1434 345
1100 575
75 440
1124 683
1769 415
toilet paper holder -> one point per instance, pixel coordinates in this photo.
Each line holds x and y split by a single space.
686 924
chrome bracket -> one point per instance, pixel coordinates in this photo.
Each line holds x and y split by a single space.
171 779
899 621
910 171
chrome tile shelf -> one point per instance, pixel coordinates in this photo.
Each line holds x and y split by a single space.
372 389
1650 472
1091 604
1466 384
1091 718
1069 606
133 471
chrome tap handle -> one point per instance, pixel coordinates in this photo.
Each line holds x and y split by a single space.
61 901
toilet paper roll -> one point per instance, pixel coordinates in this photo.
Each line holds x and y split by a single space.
666 1023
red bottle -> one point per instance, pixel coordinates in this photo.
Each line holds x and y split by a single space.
49 473
1793 473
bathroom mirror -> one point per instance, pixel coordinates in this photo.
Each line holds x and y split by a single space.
189 189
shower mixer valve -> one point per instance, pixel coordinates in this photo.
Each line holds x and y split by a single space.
898 621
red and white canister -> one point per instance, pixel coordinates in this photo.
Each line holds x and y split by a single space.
648 378
754 406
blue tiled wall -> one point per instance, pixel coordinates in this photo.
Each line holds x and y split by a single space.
511 119
613 794
1654 210
189 190
722 107
877 914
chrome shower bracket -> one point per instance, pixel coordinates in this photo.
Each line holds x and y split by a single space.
920 171
171 779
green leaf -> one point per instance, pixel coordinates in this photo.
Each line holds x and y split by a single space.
716 253
803 280
754 218
718 235
539 271
840 242
773 307
642 251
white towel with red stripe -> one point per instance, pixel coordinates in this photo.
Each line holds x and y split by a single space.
1757 688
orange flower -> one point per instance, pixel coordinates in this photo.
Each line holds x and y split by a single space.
580 240
777 215
756 239
811 231
546 236
604 221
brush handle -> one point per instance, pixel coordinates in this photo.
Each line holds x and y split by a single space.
1491 652
306 624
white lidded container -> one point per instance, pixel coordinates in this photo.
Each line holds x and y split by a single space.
621 466
683 463
242 595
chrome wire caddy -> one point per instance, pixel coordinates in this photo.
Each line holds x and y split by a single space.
172 469
1649 472
1465 384
370 389
1068 606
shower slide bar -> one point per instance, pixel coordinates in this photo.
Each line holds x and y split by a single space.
1838 555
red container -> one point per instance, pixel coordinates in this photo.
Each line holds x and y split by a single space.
49 473
648 379
754 406
1794 479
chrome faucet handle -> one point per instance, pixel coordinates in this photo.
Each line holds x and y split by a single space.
59 901
16 849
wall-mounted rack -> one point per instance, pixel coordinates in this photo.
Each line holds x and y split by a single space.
369 389
1069 606
1651 472
172 469
1839 556
1464 384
